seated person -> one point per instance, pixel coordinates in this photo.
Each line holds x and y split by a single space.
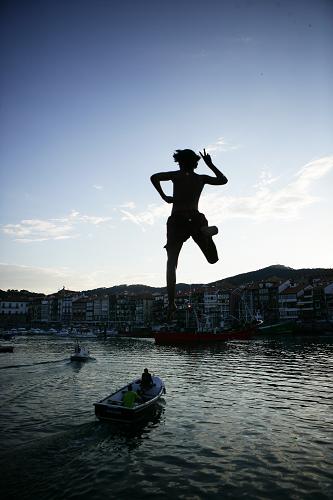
130 397
146 379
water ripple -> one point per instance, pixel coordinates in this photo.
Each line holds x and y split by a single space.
243 419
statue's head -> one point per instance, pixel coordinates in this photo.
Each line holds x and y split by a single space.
186 158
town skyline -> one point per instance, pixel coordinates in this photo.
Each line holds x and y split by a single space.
310 298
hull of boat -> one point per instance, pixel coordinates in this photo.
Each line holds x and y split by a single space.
176 337
283 327
79 358
111 409
7 348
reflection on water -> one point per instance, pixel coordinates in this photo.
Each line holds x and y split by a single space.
244 418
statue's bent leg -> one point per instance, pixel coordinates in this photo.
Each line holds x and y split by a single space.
207 246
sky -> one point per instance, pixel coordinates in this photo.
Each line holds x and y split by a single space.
96 95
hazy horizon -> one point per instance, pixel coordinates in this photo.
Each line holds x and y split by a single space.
226 278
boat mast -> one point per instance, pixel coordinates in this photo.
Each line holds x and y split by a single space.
191 308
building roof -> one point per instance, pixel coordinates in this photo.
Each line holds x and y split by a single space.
292 290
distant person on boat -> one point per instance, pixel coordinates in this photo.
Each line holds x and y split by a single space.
185 219
146 379
130 397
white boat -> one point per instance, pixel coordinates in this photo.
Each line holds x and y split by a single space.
36 331
111 332
80 353
83 333
111 408
63 333
52 331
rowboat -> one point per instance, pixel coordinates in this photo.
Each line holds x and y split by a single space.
174 337
111 408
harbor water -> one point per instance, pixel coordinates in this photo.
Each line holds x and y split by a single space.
244 419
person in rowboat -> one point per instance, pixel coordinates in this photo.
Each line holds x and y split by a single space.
185 219
146 380
130 397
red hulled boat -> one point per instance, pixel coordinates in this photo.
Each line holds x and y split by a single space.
174 337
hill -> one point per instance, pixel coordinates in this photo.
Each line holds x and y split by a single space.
278 272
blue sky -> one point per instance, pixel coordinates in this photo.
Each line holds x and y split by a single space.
97 95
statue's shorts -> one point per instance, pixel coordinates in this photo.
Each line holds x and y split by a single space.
182 225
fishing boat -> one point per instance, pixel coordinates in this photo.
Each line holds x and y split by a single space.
6 348
200 336
111 408
275 328
80 353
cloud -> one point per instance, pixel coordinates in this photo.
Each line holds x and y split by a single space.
268 201
220 145
97 186
51 279
46 279
146 217
36 230
128 204
265 178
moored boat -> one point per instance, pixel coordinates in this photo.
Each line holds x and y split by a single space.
174 337
6 348
111 408
281 327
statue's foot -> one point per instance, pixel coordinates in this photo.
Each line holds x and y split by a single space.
209 230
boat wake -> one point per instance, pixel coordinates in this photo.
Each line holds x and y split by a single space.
54 361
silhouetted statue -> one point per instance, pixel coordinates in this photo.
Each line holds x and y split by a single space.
185 219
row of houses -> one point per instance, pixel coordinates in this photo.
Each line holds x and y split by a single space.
270 301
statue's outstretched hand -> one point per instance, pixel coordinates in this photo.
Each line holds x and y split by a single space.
206 158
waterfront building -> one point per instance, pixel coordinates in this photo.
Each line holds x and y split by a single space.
143 309
79 310
14 311
65 299
122 310
159 304
305 303
90 309
101 309
13 306
288 302
328 294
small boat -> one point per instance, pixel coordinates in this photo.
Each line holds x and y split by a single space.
281 327
111 408
6 348
111 332
8 335
63 333
193 336
80 353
